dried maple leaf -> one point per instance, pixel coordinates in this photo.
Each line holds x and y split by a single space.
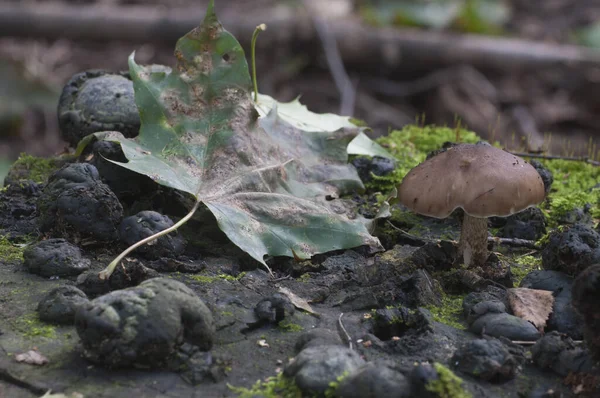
267 181
532 305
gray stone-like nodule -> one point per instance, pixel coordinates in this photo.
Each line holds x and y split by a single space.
95 101
485 359
77 205
54 257
144 325
572 250
315 367
61 304
373 380
147 223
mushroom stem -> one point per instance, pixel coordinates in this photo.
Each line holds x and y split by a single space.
472 245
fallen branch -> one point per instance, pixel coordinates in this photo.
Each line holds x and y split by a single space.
574 158
359 45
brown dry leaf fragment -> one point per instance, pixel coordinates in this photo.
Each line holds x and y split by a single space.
532 305
32 357
298 301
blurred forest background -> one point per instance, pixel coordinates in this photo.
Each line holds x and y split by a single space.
525 73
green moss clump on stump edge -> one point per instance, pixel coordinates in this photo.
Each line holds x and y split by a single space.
34 168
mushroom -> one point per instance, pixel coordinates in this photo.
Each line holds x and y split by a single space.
482 180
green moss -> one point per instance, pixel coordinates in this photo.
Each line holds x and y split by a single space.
404 219
288 326
410 147
231 278
305 277
203 278
223 276
8 251
425 139
524 265
449 312
331 392
560 205
273 387
541 242
31 326
37 169
358 122
448 385
572 188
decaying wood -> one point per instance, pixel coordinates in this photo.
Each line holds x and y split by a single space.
358 44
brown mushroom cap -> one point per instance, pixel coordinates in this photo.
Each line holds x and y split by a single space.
483 180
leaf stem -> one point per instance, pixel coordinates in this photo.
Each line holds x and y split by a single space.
258 29
105 273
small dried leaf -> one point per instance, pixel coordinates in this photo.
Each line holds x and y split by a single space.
532 305
263 343
298 301
32 357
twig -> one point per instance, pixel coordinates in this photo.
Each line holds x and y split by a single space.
344 331
550 157
530 253
334 61
520 342
530 244
415 239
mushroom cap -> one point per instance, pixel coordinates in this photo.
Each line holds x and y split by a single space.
482 180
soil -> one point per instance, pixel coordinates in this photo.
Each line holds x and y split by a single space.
395 309
377 304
